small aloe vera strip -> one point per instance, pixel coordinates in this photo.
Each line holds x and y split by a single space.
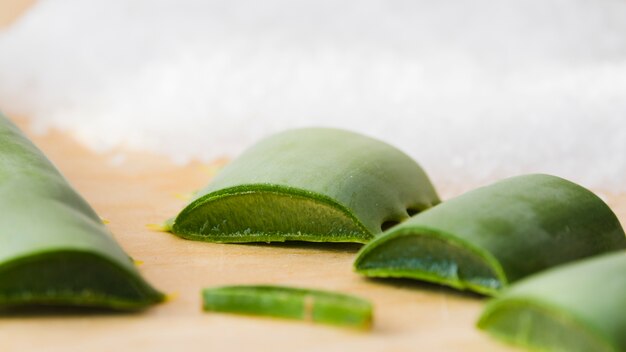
492 236
290 303
575 307
55 249
313 184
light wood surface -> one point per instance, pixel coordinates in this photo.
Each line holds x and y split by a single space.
132 190
11 10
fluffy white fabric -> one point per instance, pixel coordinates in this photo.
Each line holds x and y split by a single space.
474 90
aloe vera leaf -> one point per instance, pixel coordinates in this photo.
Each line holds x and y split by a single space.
575 307
55 249
291 303
492 236
314 184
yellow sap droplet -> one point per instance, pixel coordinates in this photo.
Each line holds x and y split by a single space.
171 296
158 227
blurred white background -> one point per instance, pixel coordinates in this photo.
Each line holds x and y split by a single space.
473 90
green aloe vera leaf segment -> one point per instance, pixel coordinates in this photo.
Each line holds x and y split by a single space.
312 184
290 303
580 306
55 249
492 236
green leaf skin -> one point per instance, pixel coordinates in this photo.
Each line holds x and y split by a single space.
290 303
580 306
55 249
492 236
313 184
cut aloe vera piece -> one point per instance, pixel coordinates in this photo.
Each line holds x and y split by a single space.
487 238
576 307
55 249
290 303
314 184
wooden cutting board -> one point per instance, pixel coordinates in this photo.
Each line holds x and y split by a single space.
10 10
132 190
